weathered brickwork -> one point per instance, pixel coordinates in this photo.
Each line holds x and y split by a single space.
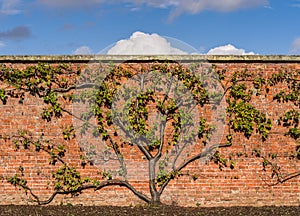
201 183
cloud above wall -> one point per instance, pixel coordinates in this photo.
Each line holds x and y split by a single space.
228 50
83 50
295 48
141 43
17 33
10 7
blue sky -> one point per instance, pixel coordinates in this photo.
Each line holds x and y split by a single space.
88 26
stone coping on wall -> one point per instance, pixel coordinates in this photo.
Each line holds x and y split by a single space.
122 58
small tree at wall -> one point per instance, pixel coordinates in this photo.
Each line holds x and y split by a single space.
154 107
167 112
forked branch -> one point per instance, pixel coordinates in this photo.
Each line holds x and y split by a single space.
280 178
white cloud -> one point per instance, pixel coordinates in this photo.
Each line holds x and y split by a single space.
157 3
295 46
2 44
83 50
82 3
9 7
179 6
196 6
141 43
296 4
70 3
228 50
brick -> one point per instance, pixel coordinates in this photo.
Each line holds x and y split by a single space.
240 186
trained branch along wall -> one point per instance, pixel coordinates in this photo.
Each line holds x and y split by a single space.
259 166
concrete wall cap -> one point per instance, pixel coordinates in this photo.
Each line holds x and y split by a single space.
122 58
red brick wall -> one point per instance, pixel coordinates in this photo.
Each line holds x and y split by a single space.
243 185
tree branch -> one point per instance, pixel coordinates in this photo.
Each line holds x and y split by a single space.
184 164
137 140
120 157
280 178
162 137
103 184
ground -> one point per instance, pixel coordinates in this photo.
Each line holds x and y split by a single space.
141 211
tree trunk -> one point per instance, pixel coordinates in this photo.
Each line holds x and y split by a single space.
155 195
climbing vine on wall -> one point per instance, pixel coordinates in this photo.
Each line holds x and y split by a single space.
280 88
